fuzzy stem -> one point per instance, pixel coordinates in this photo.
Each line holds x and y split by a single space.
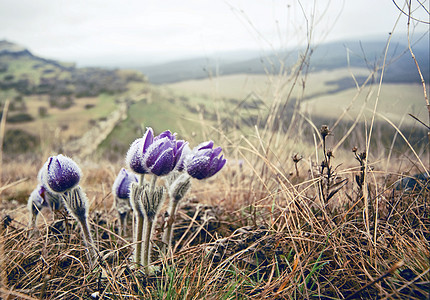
141 179
123 224
153 182
138 238
139 228
147 233
168 233
88 241
146 259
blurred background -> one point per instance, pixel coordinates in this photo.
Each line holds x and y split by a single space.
86 77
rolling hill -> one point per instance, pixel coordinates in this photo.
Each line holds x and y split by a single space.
362 54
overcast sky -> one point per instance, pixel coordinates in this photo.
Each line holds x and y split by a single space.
114 32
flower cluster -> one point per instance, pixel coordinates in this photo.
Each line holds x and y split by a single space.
172 159
59 185
162 156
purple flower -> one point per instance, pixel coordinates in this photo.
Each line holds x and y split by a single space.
138 148
121 186
204 162
164 154
60 173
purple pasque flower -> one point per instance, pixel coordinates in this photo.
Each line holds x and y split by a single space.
204 162
164 154
122 184
60 173
136 153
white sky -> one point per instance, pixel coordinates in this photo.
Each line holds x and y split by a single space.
113 32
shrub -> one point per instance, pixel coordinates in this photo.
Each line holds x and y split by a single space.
19 141
20 118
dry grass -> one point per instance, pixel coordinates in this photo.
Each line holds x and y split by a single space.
243 234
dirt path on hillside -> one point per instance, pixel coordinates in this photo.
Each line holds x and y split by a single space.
88 143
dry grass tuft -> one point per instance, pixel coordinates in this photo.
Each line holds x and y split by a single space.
269 239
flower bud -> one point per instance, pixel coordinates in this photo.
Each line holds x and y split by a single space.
136 192
152 203
179 187
121 185
204 162
60 174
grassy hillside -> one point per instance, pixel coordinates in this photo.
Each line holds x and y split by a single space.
51 102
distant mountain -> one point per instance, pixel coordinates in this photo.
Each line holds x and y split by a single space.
14 51
28 74
11 48
366 54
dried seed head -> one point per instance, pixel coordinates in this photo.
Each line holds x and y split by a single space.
330 153
324 164
324 131
354 149
296 158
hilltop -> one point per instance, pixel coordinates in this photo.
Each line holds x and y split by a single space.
28 74
367 54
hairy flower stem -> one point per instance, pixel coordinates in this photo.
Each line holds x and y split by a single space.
123 224
168 233
153 182
146 259
89 242
138 238
139 227
147 232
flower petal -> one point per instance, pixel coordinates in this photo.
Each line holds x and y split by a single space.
198 167
164 163
134 157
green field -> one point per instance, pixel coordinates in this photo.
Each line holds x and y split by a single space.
238 86
321 97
